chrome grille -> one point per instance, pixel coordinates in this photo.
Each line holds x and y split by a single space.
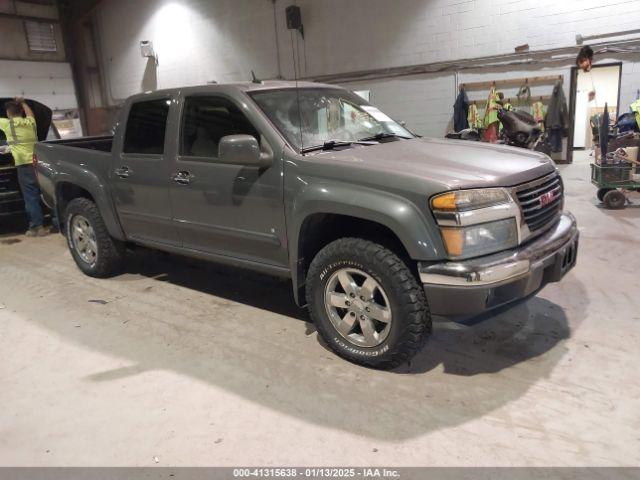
540 201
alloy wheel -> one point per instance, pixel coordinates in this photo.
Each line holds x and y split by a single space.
358 307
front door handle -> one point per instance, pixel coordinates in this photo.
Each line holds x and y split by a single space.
123 172
183 177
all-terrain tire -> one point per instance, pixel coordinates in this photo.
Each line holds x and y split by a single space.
411 320
110 252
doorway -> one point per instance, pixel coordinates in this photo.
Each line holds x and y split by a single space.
604 80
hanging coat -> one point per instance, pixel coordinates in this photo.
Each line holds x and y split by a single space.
461 111
557 112
474 117
524 95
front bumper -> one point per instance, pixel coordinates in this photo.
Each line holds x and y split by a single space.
473 286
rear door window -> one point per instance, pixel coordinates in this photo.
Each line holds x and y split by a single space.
146 127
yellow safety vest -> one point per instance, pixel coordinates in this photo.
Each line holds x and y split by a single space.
21 137
635 108
474 117
491 111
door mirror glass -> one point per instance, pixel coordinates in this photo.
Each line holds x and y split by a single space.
239 150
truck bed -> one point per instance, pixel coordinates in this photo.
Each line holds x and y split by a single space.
102 143
71 155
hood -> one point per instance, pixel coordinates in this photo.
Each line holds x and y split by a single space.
41 112
452 163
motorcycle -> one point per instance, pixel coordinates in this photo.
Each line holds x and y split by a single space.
520 129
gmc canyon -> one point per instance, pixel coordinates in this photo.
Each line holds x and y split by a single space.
377 229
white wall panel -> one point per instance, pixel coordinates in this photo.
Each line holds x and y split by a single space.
344 36
196 42
224 40
50 83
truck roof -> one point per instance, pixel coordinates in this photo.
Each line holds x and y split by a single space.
241 86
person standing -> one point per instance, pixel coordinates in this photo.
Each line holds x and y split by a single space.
19 128
584 61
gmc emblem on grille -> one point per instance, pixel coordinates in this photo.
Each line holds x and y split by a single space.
547 198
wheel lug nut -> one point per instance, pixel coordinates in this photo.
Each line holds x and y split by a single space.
361 298
347 303
367 309
352 295
361 317
353 314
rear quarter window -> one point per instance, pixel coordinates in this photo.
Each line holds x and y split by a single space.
146 127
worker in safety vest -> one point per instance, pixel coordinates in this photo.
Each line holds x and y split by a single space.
20 131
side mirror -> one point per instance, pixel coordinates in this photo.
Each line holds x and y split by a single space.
241 150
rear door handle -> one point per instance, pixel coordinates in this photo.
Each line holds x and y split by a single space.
183 177
123 172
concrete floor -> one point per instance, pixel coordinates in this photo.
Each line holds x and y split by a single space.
201 365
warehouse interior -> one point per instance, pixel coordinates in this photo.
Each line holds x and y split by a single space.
186 357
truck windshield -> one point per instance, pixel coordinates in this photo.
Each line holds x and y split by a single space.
325 115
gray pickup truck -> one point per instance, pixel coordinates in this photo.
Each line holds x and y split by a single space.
377 229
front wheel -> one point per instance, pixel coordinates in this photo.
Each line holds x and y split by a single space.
366 303
95 252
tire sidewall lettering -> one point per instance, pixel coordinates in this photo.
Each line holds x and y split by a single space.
357 351
341 264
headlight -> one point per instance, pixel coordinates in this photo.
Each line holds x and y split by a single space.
461 200
476 240
476 222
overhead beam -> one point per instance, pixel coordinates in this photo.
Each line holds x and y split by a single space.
507 60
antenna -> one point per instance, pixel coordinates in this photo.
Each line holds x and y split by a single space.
295 77
294 22
254 79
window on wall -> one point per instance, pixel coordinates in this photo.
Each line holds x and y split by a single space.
146 127
206 120
40 36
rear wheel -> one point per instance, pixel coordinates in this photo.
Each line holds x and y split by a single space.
95 252
366 303
614 199
602 192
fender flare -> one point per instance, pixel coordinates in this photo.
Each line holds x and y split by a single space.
396 213
90 182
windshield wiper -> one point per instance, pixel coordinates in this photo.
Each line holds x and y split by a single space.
379 136
331 144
